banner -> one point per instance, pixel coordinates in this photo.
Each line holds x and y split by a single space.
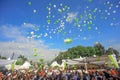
113 59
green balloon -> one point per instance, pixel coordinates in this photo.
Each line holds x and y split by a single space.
29 3
68 40
89 28
35 54
76 20
50 4
90 0
35 49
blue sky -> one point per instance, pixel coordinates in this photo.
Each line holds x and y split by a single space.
46 24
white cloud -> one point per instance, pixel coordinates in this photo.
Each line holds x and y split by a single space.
71 16
27 49
10 31
21 45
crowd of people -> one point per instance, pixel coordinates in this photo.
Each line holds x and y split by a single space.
56 74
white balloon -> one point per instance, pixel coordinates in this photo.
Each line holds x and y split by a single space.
109 7
49 12
45 35
49 9
108 13
54 6
111 24
80 29
105 17
50 37
34 10
32 33
63 9
117 6
108 2
96 28
84 38
114 11
61 4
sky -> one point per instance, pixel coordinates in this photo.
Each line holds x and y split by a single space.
47 27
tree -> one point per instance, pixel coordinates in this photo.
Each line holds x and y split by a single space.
76 52
2 57
91 51
99 48
22 59
110 50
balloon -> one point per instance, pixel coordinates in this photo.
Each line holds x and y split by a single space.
35 54
76 20
80 16
68 40
61 4
95 10
50 4
54 6
94 17
59 10
12 66
65 6
41 60
111 5
114 11
29 3
34 10
89 28
48 21
56 22
90 0
114 18
32 33
99 32
35 49
45 35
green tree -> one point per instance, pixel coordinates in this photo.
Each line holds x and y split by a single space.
110 50
2 57
99 48
91 51
22 59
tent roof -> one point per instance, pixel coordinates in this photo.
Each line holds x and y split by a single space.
5 62
55 64
26 65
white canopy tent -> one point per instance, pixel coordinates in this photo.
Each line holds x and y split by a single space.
26 65
72 62
5 62
75 61
98 62
55 64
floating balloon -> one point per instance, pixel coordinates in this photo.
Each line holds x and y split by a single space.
32 33
35 54
29 3
61 4
68 40
48 21
90 0
35 49
89 28
50 4
59 10
34 10
95 10
54 6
